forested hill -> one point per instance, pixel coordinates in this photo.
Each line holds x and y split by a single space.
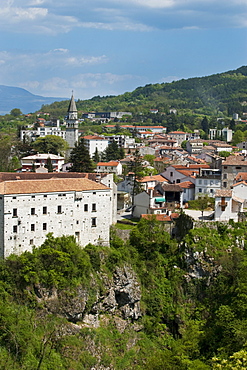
219 93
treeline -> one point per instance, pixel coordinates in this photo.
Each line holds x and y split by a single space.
194 299
220 93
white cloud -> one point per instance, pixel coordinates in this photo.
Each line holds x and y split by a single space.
84 85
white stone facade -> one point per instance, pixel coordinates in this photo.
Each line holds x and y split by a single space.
27 216
93 142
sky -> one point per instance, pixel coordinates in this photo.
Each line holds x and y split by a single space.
109 47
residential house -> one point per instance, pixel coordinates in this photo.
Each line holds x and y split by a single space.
194 146
189 190
178 136
163 140
208 181
161 199
179 173
230 167
224 134
222 147
110 167
242 145
93 142
227 205
38 160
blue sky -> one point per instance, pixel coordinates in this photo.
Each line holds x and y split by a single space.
108 47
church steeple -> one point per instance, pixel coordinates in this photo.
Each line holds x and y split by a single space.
71 123
72 110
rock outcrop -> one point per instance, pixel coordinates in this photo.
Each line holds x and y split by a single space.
121 298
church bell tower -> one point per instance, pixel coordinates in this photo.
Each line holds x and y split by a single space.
71 124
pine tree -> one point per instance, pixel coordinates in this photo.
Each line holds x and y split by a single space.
205 125
80 158
136 168
96 156
49 165
112 152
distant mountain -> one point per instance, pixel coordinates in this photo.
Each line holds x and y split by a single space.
15 97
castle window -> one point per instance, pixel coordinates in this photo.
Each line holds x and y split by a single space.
93 222
32 211
85 207
15 229
14 212
44 210
32 227
94 207
44 226
59 209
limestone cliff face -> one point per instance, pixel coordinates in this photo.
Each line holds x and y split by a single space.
121 298
200 265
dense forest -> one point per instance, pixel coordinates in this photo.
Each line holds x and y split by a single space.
180 303
223 93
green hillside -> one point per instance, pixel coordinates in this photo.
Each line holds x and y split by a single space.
218 94
152 302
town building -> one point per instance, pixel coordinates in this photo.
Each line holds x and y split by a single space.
194 146
42 131
208 181
93 142
228 205
178 136
29 210
39 160
230 167
110 167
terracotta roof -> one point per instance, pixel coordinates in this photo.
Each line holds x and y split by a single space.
241 176
240 182
188 172
158 178
49 186
161 217
190 166
232 161
177 132
187 185
94 137
108 164
223 193
11 176
221 145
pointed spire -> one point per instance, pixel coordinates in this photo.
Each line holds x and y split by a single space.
72 106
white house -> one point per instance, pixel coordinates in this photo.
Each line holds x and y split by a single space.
194 146
29 209
188 189
33 134
240 190
40 160
208 181
227 205
110 167
179 173
95 141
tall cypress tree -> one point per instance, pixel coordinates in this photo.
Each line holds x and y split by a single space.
80 158
49 165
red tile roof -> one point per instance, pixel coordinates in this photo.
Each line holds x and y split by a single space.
187 185
161 217
108 164
49 186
